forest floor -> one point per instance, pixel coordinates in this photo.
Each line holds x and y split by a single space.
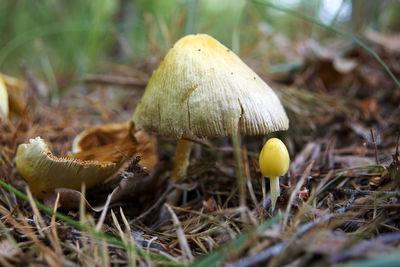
339 202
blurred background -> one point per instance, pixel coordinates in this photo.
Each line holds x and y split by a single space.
63 41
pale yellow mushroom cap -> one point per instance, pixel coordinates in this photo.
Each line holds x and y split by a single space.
202 89
3 100
274 158
44 172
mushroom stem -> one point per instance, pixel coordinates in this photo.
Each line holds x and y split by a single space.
181 159
275 190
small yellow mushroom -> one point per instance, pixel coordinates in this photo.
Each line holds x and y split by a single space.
274 162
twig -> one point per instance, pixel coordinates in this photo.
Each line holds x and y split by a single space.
211 147
221 149
53 227
114 79
375 148
349 203
370 192
396 155
103 213
261 256
160 200
187 253
362 246
308 226
296 190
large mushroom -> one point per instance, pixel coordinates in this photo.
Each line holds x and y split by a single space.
202 89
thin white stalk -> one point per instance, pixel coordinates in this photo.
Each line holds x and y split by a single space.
275 190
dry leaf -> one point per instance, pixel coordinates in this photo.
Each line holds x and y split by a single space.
209 205
370 107
113 142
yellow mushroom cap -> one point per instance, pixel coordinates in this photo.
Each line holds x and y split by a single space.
44 172
202 89
274 158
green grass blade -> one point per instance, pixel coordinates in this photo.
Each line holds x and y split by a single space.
334 29
57 28
387 261
217 257
111 239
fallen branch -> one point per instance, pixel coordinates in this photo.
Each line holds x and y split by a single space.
370 192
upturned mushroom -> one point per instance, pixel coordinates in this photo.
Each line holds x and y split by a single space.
44 172
102 151
202 89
